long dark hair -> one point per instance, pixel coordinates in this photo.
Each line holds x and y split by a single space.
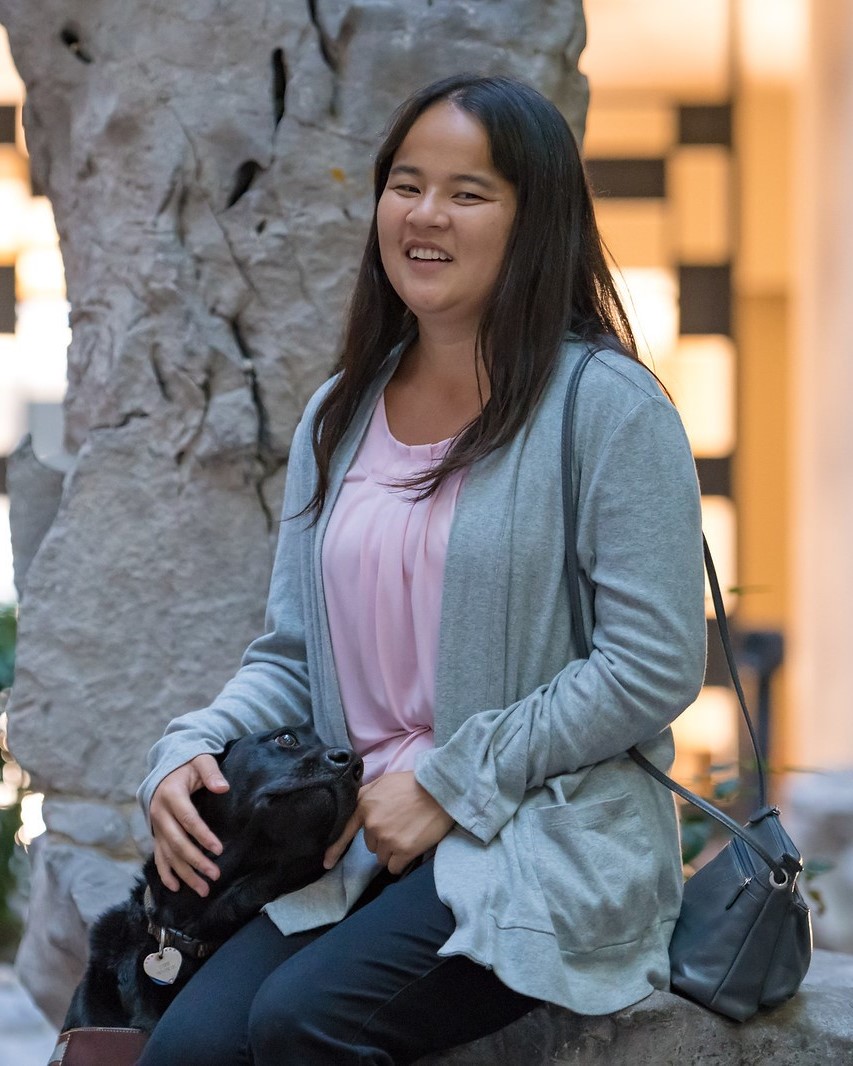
554 279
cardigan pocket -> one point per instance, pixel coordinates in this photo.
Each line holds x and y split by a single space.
597 870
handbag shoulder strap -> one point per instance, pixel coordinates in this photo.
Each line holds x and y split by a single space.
582 644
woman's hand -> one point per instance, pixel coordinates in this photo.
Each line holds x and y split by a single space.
401 821
179 832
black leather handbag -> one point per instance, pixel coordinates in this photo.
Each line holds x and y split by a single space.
743 939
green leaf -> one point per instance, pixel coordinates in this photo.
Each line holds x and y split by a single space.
695 834
8 635
815 867
728 789
10 925
817 899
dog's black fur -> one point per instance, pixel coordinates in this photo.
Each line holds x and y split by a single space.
290 797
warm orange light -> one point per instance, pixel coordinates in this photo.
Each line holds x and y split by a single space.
32 822
42 338
39 272
772 36
710 725
699 181
14 198
700 375
719 521
650 297
665 47
11 86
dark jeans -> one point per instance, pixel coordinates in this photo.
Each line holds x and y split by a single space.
370 990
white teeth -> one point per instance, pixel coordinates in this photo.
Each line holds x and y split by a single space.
428 253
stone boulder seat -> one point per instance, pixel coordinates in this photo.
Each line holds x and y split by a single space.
814 1029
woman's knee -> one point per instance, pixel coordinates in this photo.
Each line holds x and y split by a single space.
294 1020
280 1011
182 1044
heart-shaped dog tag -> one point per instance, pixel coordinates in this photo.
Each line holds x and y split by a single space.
163 966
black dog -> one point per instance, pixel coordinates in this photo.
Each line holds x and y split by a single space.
290 797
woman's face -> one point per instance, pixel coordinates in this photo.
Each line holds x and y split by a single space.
444 219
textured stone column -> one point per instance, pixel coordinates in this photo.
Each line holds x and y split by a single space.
209 167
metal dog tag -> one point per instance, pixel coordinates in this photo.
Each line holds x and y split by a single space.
163 966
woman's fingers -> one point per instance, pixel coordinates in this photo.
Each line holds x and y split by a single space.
180 833
187 819
334 851
164 868
171 868
182 851
400 821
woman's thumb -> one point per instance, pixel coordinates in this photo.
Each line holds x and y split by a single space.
211 776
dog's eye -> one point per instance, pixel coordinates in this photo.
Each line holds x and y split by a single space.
287 740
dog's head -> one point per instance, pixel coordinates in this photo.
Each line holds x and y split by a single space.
287 789
290 796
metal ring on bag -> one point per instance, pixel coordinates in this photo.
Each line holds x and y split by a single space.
778 884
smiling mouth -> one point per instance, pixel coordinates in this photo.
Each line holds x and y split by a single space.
426 255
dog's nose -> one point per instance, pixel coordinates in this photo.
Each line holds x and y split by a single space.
343 759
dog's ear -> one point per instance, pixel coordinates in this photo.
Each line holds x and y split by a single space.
220 757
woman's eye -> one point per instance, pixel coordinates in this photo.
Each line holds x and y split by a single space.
287 740
407 190
468 197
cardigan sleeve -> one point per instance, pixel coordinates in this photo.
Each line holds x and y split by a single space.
639 546
271 688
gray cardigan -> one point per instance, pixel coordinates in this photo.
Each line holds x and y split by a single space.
563 871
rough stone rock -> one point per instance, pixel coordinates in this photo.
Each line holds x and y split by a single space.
209 165
137 606
92 824
28 1038
813 1029
36 490
819 817
71 886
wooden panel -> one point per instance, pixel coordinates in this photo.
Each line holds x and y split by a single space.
627 128
699 181
635 231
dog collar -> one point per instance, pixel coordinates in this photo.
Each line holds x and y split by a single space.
174 938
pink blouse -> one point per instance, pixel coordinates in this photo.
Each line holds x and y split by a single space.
383 567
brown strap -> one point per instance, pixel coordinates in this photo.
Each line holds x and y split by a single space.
98 1047
174 938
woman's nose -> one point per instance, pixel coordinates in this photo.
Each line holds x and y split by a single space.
428 211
